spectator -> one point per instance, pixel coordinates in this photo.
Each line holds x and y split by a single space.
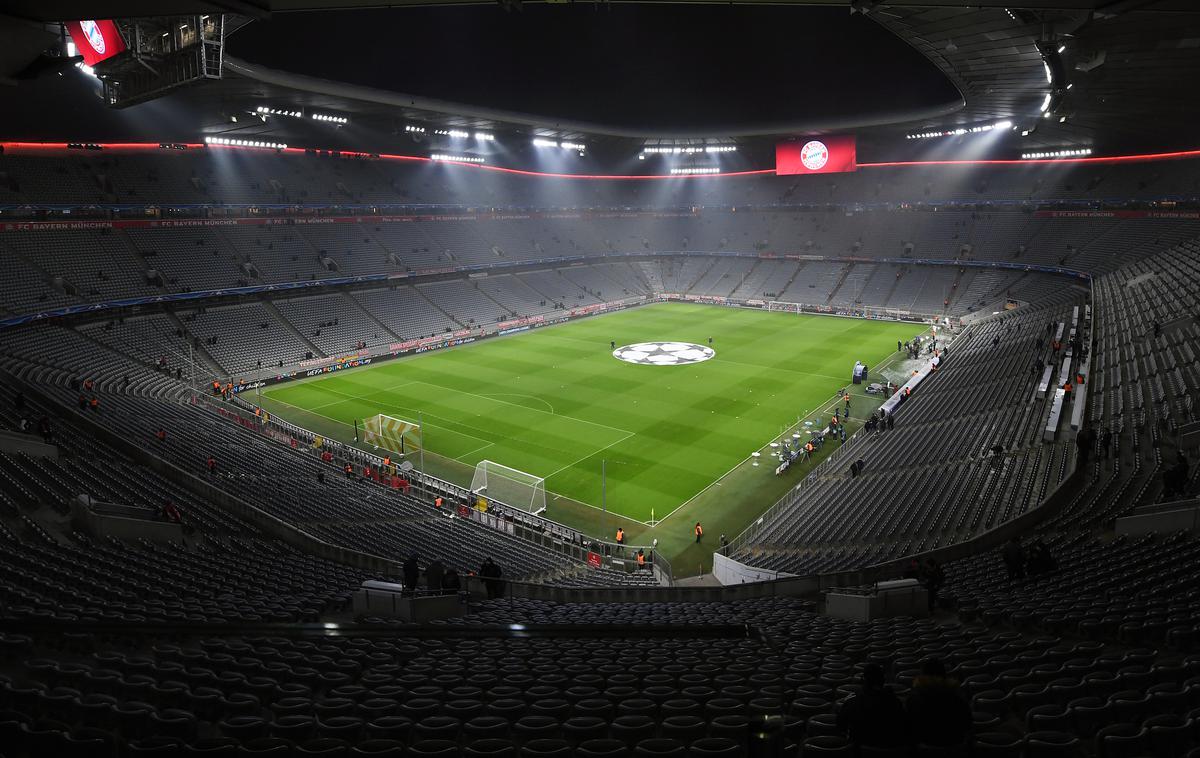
451 582
434 575
875 716
1106 438
1041 560
171 513
94 403
1084 441
933 577
1014 559
412 572
1175 479
937 713
491 573
161 434
320 477
211 463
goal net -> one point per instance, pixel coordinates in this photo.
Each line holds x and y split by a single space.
391 433
777 305
509 486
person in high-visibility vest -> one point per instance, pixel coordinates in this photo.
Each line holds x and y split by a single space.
699 532
620 536
437 502
641 559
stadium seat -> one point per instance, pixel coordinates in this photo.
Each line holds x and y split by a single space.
1051 745
714 746
656 747
828 747
446 748
602 748
378 749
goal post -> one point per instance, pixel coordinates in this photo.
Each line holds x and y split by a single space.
778 305
393 434
516 489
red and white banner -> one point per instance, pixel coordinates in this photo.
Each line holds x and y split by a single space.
816 155
96 40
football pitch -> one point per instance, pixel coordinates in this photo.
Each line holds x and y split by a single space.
555 402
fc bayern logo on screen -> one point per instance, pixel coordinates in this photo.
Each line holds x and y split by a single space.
814 155
95 37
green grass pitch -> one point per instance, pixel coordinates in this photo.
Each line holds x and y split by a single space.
554 402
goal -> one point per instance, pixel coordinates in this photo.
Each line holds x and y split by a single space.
391 433
513 488
778 305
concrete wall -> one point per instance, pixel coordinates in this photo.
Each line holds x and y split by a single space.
15 442
727 571
1168 518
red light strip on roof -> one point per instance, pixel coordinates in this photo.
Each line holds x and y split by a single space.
1040 161
105 145
1144 157
516 171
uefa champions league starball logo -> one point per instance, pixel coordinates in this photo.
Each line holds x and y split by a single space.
663 353
814 155
95 37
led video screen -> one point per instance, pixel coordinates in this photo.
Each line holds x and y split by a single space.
816 155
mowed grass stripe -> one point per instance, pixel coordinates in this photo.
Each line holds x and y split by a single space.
667 431
531 438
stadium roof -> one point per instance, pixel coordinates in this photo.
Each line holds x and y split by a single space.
54 10
1120 76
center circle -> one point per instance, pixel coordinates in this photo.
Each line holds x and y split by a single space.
664 353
